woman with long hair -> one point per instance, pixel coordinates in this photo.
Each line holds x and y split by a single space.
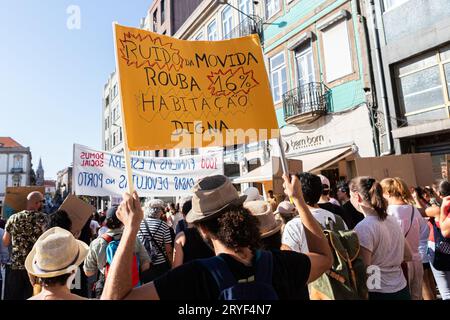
413 225
382 242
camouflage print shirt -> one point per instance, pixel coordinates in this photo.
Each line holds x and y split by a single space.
25 228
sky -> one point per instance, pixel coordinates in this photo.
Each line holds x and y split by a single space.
52 75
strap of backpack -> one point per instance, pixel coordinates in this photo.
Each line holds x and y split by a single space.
218 268
412 219
264 266
152 239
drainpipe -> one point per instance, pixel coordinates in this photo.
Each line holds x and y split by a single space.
380 76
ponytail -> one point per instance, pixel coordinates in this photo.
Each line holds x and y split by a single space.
377 200
372 194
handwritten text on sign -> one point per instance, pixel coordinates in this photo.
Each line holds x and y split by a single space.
174 89
98 173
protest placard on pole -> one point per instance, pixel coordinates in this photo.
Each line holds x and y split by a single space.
183 94
101 173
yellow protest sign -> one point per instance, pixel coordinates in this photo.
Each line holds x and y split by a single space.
178 93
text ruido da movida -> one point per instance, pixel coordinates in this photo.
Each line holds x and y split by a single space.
193 95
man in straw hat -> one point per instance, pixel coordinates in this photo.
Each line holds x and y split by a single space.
54 259
218 213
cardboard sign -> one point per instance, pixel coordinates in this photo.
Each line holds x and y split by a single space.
100 173
16 199
183 94
78 211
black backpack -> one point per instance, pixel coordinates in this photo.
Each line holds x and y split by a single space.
257 287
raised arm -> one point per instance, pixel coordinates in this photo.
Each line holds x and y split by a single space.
118 284
319 250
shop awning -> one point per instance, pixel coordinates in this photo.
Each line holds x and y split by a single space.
260 174
314 162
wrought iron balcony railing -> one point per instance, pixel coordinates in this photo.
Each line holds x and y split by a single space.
311 100
246 27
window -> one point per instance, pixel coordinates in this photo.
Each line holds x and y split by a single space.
120 135
156 153
305 64
212 31
114 138
115 91
107 101
164 153
337 54
272 7
18 162
199 36
423 85
390 4
227 23
155 20
114 114
163 11
106 124
278 76
246 6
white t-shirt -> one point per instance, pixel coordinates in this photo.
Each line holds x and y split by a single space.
403 215
294 233
386 242
176 218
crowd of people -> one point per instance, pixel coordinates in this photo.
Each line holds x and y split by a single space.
219 244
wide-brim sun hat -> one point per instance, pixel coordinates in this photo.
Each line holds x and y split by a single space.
212 195
262 210
55 253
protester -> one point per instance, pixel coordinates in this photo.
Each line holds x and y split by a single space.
95 226
4 259
174 216
189 244
285 212
294 234
21 232
383 246
97 258
400 201
327 203
157 239
272 200
103 229
59 218
326 192
54 260
438 215
182 224
269 227
218 213
352 216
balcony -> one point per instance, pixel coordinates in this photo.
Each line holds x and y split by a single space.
246 27
306 103
16 170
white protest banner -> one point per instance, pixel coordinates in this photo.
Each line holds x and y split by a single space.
100 173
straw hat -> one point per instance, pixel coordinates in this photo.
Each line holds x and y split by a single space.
212 195
55 253
252 194
262 210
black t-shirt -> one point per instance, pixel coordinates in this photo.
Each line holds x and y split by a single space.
336 210
355 215
192 281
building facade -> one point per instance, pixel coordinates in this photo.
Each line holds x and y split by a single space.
320 72
319 68
15 165
64 182
414 75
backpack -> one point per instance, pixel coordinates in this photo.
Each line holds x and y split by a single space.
346 280
441 259
257 287
111 251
